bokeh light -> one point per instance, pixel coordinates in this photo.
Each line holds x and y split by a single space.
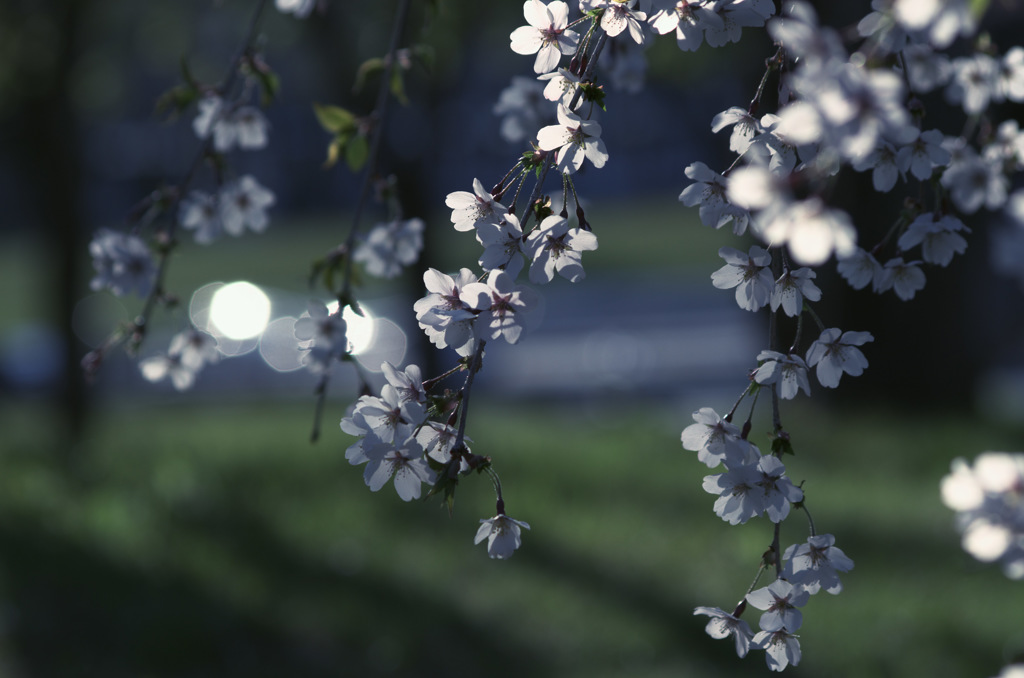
240 310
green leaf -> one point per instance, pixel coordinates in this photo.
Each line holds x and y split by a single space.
366 69
781 445
424 55
334 118
270 84
336 148
357 152
398 86
979 7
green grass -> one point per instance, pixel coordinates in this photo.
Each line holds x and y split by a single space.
216 541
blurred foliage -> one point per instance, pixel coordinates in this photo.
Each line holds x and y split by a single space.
212 540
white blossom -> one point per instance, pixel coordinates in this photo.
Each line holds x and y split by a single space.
470 210
574 139
722 625
788 371
859 268
503 245
780 601
244 202
709 191
904 278
836 352
443 314
792 288
123 263
938 235
406 464
502 534
555 247
389 247
749 273
688 20
618 16
502 304
300 8
547 35
815 563
522 108
716 440
781 647
200 212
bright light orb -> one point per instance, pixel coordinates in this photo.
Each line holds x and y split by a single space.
240 310
360 330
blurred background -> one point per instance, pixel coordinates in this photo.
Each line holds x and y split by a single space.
147 532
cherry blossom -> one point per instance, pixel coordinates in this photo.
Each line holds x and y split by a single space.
470 210
709 191
189 351
406 464
244 126
547 36
502 534
812 230
561 86
300 8
737 15
443 314
523 109
389 247
788 371
123 263
716 440
503 306
814 564
778 491
940 20
689 21
923 155
884 166
792 288
904 278
834 354
744 128
859 268
780 601
739 497
938 235
244 202
722 625
617 17
781 647
974 181
408 384
503 245
324 335
574 139
200 212
748 273
990 511
557 248
975 83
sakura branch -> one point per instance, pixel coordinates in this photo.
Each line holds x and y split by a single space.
843 104
125 262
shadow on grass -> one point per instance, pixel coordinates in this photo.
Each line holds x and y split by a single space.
73 611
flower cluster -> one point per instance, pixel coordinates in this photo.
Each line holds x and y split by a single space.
123 263
188 353
238 204
809 568
988 497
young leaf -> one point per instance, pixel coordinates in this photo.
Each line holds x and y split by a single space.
334 118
